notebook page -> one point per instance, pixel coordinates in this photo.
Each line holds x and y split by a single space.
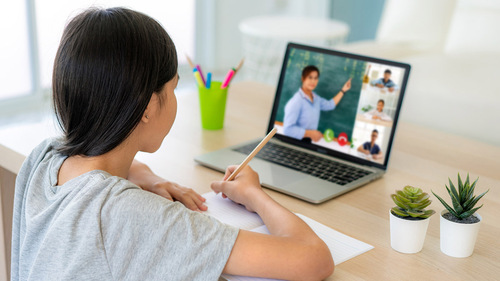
230 213
341 246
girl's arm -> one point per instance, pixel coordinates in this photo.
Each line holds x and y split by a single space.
292 251
141 175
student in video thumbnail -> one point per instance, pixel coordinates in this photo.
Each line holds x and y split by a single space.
385 82
370 147
302 111
378 113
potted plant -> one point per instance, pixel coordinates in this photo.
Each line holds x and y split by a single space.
409 219
459 225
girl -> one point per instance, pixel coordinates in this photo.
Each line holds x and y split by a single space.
83 210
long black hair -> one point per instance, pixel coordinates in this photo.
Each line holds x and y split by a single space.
108 65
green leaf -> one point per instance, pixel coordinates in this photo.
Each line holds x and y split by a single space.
460 184
466 186
423 196
454 195
459 209
469 213
415 214
472 202
407 191
467 204
399 212
471 190
427 214
413 206
402 196
466 180
425 203
396 200
454 200
453 189
464 195
450 209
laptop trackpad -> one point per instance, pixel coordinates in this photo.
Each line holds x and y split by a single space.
295 183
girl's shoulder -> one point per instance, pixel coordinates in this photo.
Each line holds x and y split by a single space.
47 149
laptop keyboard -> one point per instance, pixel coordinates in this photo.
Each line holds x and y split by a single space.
313 165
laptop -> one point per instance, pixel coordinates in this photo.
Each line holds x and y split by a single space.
336 115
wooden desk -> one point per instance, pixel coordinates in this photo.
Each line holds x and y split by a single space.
421 157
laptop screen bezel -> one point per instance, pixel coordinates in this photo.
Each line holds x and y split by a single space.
324 150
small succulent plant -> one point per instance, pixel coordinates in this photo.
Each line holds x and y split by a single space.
411 202
463 200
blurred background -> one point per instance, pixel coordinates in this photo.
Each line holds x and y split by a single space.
452 45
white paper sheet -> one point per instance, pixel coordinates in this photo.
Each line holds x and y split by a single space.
341 246
231 213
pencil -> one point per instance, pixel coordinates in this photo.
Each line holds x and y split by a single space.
252 154
198 79
190 62
239 65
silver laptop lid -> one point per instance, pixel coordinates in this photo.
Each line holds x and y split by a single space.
339 104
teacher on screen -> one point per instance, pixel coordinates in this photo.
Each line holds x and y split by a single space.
302 111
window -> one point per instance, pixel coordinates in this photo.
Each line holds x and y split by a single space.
27 57
15 65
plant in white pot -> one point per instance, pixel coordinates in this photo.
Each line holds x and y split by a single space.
459 224
409 219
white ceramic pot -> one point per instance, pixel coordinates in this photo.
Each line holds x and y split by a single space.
407 236
458 239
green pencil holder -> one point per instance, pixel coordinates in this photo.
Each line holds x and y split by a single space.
212 106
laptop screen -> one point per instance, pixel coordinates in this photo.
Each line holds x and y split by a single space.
340 104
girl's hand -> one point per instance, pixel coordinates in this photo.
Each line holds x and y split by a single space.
174 192
347 85
244 189
142 176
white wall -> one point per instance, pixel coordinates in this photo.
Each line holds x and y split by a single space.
218 40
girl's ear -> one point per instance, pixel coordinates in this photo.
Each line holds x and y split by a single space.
147 113
149 109
145 117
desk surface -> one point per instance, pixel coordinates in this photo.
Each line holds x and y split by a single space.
421 157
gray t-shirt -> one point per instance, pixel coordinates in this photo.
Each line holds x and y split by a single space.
102 227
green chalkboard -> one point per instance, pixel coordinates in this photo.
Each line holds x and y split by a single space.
334 72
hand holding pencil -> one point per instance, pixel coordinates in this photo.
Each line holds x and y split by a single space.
253 153
241 184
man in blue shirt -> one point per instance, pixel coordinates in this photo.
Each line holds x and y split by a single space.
370 147
303 110
385 82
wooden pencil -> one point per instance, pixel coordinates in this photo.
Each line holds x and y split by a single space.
239 65
252 154
190 62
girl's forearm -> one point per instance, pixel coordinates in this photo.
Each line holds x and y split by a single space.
280 221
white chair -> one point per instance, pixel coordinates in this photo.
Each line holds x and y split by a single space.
265 39
453 48
408 27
